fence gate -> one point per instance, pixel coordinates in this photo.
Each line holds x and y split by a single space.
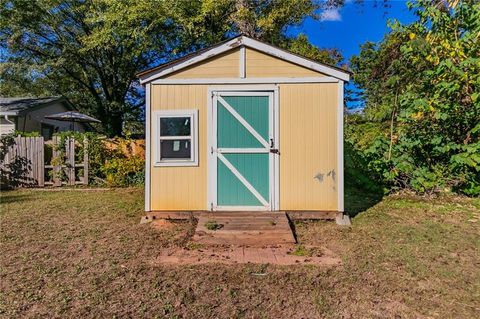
24 162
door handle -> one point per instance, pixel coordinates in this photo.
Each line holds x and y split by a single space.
272 149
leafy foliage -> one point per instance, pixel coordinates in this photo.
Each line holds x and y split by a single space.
26 134
90 51
110 166
82 50
124 171
421 85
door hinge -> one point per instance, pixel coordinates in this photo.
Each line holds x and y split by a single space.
211 150
211 206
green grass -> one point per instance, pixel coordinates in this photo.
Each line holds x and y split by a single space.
303 251
84 254
212 225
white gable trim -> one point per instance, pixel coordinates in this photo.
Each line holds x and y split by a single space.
284 55
250 43
321 79
198 58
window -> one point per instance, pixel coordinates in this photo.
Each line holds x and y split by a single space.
176 141
47 131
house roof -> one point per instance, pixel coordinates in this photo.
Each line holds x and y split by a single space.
17 105
240 41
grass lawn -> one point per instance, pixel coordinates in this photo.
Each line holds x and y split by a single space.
84 254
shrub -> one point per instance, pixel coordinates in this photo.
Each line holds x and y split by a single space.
114 167
124 171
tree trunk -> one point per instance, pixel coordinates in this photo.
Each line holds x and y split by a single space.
113 124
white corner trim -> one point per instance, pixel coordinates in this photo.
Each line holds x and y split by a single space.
276 134
340 160
242 64
193 137
320 79
251 43
211 158
147 146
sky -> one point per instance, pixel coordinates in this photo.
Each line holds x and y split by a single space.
352 25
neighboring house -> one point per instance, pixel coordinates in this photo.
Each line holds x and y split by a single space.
244 126
27 114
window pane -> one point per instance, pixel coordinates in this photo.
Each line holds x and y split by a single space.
175 149
175 126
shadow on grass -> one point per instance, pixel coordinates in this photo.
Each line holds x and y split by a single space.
13 197
362 191
358 200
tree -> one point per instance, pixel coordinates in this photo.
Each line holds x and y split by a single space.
206 22
58 42
89 51
424 78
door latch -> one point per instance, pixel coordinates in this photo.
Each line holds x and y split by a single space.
272 149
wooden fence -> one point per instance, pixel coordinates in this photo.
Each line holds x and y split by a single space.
28 162
127 147
23 162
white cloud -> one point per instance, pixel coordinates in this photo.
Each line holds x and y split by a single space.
330 15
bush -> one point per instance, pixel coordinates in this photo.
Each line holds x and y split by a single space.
114 167
124 171
421 88
26 134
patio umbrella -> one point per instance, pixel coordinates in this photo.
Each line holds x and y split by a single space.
72 116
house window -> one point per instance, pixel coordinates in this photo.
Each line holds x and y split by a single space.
47 131
176 140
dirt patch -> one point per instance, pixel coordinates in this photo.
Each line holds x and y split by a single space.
276 255
162 224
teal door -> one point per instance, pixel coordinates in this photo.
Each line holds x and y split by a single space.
241 151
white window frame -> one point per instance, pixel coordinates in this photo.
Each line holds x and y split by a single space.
193 115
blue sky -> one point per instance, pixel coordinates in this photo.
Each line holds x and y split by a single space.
354 24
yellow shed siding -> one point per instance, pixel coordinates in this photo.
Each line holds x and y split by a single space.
261 65
181 188
308 146
257 65
226 65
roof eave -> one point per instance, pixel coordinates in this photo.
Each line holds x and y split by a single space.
61 100
196 57
9 113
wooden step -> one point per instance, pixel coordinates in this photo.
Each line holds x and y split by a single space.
244 229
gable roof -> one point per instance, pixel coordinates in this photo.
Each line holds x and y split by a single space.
19 105
237 42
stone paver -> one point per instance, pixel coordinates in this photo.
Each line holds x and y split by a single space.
277 255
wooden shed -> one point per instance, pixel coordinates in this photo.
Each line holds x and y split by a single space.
244 126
